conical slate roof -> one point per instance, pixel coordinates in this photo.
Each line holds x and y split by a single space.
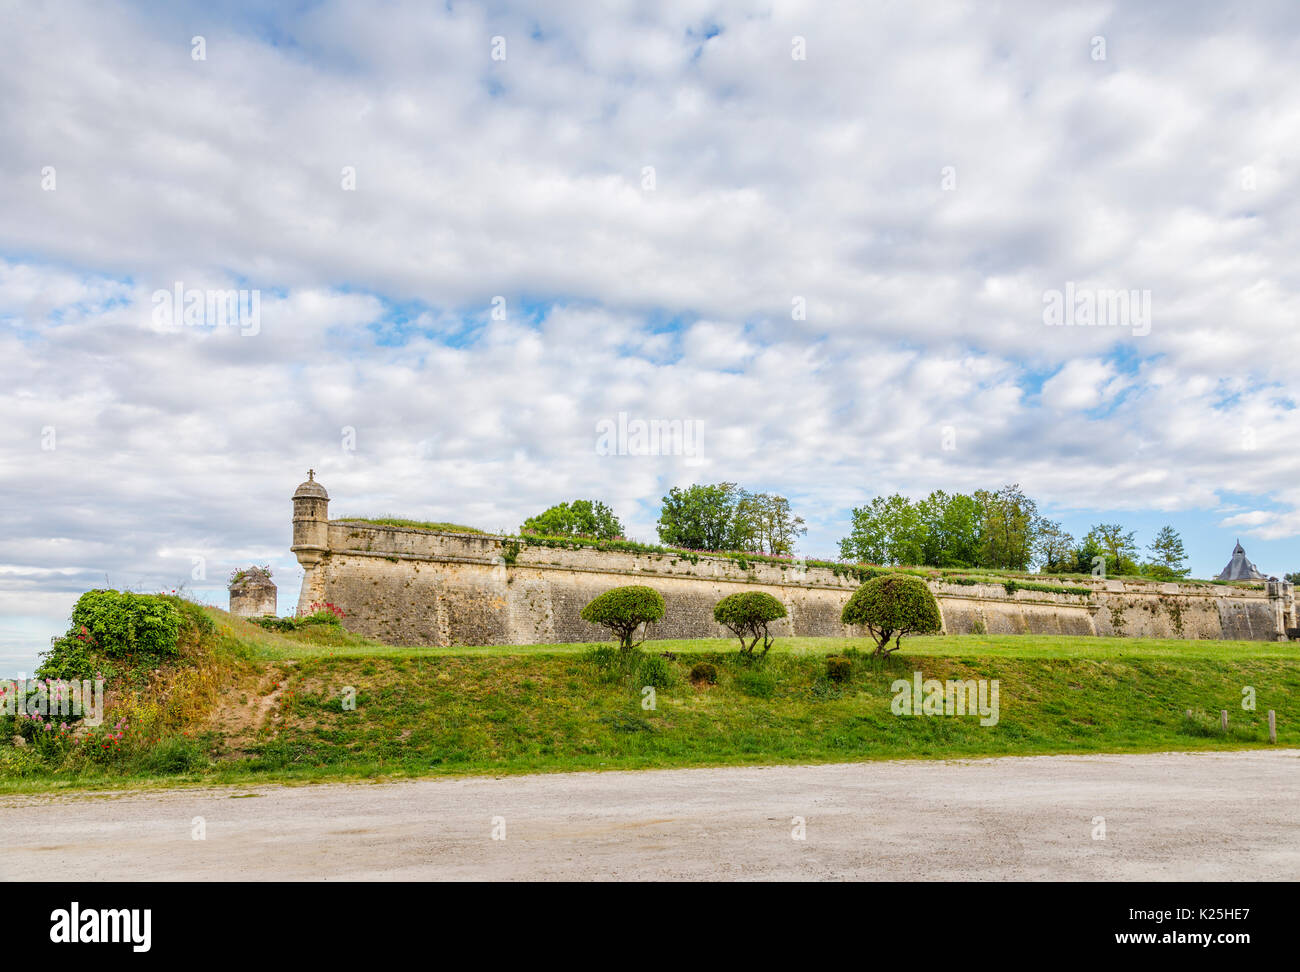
1239 567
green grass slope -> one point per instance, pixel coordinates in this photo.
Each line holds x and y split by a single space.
283 711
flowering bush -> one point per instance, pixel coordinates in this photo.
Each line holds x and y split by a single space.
325 607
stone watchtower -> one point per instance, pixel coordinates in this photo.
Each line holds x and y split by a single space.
311 524
1281 599
252 593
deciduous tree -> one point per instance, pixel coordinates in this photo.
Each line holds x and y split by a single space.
581 518
1168 558
701 517
747 615
891 606
624 609
765 522
1117 546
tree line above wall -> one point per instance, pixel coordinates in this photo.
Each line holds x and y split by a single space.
721 516
1000 530
989 529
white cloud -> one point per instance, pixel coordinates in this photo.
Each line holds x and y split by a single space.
1079 385
774 179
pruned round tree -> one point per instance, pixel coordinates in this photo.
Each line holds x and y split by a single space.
747 615
624 609
891 606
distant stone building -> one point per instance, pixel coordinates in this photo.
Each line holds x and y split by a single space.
252 593
1239 568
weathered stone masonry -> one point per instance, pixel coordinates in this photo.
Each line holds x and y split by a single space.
253 595
418 587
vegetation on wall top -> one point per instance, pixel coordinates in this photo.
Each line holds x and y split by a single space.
1001 530
860 572
743 559
947 536
255 575
395 521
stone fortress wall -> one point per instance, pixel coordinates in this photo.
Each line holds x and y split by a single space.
415 587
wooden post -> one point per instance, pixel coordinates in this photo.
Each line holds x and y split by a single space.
1272 727
1223 719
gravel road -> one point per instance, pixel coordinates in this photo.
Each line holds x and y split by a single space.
1167 816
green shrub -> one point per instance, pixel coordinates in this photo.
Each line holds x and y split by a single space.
838 668
747 615
70 658
175 756
115 625
616 666
48 737
322 617
657 671
272 623
122 623
602 657
891 606
624 609
18 762
704 672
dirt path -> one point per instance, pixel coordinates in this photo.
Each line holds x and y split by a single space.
1169 816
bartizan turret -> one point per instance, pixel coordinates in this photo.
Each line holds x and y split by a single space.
311 524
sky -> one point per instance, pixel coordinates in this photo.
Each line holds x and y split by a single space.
855 248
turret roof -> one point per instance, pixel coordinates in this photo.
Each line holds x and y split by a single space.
311 488
1240 567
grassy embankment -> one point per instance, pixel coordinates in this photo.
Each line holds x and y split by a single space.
270 706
